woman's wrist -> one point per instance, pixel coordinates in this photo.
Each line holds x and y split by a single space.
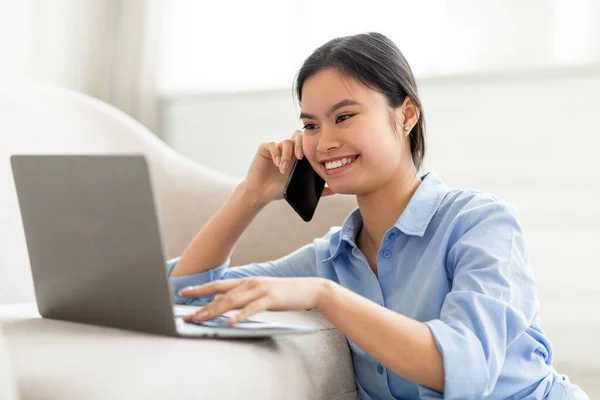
326 289
252 197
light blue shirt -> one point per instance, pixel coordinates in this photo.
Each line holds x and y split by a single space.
455 260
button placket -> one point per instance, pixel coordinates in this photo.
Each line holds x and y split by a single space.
386 253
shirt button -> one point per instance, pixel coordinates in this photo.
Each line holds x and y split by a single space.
387 254
380 369
392 235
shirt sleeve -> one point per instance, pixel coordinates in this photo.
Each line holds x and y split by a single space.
492 301
300 263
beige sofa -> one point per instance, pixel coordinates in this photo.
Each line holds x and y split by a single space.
50 359
8 389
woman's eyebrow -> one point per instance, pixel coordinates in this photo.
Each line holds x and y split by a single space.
339 104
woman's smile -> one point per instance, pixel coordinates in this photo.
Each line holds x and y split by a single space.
339 166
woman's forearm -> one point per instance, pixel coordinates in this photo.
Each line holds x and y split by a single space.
402 344
216 240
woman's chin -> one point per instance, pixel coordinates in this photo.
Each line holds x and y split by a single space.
342 189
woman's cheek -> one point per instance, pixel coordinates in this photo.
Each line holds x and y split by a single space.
309 147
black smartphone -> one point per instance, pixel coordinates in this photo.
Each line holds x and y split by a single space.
303 188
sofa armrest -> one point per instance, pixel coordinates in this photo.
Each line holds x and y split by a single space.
63 360
8 385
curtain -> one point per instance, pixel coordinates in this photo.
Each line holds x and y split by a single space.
105 48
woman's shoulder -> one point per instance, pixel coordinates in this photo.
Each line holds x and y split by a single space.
470 206
480 227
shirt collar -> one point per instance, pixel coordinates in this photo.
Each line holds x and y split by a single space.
414 220
422 206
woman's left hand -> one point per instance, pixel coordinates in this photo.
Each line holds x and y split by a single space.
255 294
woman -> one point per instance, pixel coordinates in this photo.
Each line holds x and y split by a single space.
441 276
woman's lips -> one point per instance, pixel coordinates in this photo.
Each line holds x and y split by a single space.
337 171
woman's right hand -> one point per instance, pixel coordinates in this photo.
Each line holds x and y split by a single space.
271 166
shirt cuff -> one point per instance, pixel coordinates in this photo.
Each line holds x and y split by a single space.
465 375
180 282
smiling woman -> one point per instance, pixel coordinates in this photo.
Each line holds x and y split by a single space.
431 286
385 125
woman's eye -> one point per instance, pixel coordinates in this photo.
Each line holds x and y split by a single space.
309 127
342 118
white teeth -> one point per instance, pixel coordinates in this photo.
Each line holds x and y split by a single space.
339 163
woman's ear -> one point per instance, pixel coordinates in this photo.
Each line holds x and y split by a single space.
409 115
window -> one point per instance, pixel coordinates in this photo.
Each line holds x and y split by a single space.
260 44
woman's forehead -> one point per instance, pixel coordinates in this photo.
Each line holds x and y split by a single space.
329 87
330 81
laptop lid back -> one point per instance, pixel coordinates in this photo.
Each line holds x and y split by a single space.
94 241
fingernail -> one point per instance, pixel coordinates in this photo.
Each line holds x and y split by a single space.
277 161
299 153
284 166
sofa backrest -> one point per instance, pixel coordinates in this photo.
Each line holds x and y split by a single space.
46 119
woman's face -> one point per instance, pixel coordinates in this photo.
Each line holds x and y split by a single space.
343 118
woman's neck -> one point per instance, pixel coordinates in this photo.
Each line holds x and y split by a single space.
381 209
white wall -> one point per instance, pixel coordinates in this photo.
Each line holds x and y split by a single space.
531 138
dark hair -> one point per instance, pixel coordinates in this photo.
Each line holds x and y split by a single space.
374 60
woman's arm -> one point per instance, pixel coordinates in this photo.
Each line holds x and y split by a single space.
264 183
456 356
214 244
402 344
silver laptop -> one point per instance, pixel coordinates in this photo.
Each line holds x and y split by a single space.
96 251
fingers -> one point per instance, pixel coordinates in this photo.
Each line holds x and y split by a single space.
235 299
290 147
261 304
297 139
287 146
209 288
275 153
281 153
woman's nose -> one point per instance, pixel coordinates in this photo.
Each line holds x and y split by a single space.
327 142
